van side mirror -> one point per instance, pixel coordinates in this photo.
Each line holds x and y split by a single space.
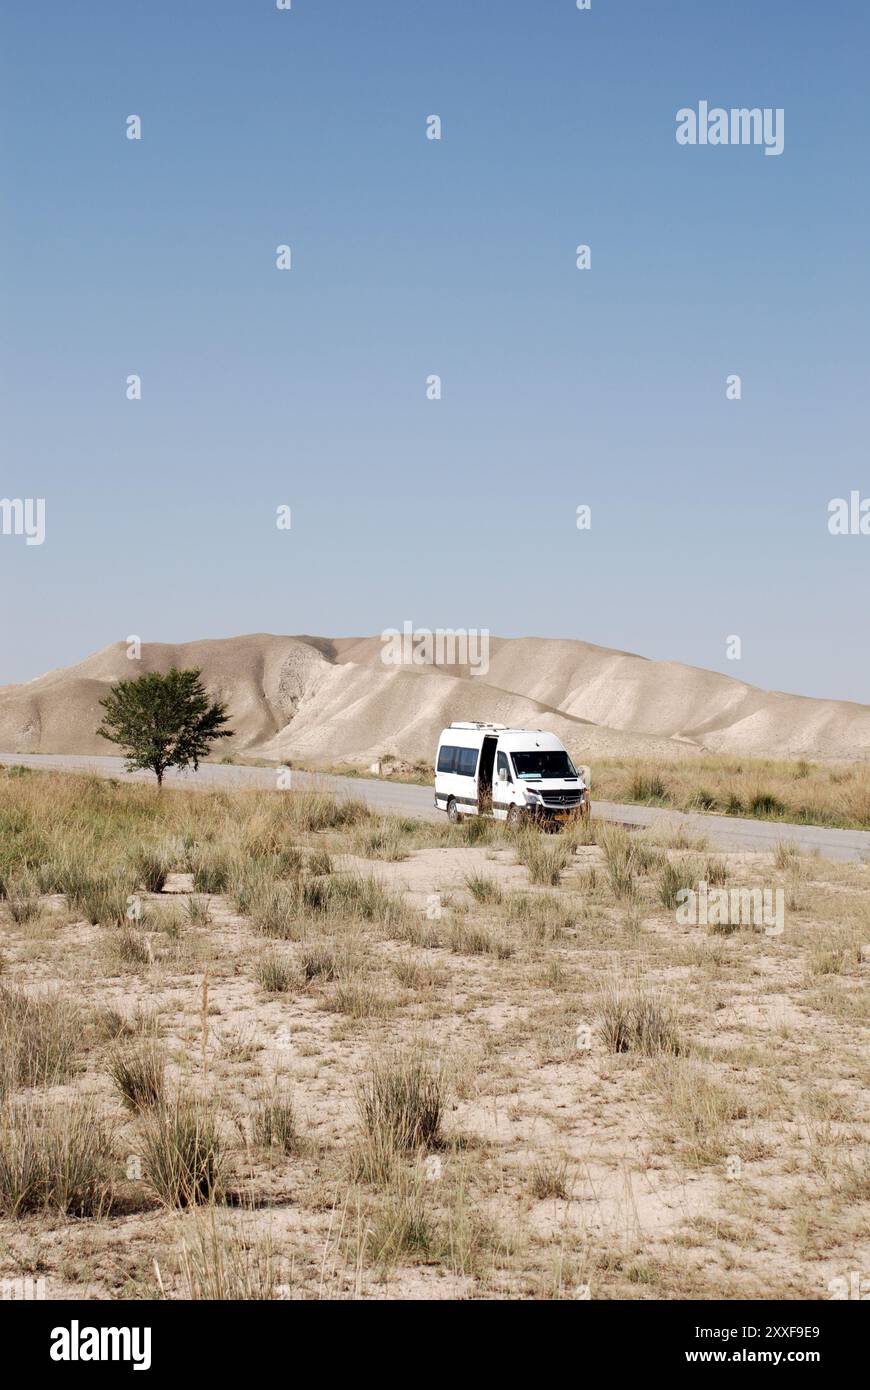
502 774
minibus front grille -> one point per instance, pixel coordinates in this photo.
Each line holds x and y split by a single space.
561 799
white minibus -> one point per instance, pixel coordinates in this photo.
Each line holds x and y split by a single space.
511 774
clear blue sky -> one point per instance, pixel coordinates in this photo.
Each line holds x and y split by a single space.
456 257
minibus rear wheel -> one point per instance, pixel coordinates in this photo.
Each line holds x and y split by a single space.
452 811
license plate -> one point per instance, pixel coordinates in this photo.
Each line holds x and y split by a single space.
561 815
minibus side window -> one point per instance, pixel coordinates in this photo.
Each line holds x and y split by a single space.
502 762
466 761
447 758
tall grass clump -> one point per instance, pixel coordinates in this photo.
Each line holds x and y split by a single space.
483 889
766 805
696 1109
383 840
275 910
127 949
801 791
474 939
671 881
40 1038
401 1104
365 898
632 1020
22 898
275 973
400 1227
212 868
197 912
543 916
54 1157
321 810
139 1075
649 786
545 858
224 1263
181 1153
319 961
151 866
475 830
785 853
273 1122
622 860
101 898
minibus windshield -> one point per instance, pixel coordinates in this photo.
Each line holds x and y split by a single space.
543 763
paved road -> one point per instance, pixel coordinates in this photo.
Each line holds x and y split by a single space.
398 798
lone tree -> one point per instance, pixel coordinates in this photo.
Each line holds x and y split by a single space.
163 721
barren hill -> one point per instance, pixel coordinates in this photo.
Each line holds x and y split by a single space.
328 700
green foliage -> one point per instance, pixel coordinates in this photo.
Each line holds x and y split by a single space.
163 721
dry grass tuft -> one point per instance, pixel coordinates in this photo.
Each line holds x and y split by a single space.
139 1074
401 1104
545 857
54 1157
181 1153
635 1020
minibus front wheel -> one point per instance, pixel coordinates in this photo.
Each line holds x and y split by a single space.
452 811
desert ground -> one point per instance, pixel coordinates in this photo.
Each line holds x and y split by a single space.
268 1045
